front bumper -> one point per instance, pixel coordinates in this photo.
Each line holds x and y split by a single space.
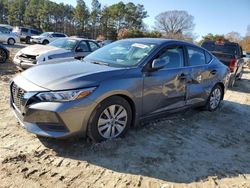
35 41
53 119
22 64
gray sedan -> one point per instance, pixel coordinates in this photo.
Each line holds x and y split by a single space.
116 87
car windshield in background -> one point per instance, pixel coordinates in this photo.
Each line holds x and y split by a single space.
67 44
224 48
121 53
45 34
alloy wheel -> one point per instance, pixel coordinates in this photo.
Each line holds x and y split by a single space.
11 41
112 121
3 56
215 98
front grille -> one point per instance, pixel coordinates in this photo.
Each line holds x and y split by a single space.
17 96
28 58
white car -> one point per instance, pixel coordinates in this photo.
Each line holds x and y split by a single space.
46 37
8 37
61 48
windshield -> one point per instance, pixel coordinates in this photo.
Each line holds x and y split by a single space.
67 44
45 34
121 53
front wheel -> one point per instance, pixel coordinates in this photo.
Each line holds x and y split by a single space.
111 119
11 41
45 42
27 40
3 56
214 98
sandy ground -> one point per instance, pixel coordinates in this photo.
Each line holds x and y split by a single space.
189 149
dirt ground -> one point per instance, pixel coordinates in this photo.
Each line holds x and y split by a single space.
189 149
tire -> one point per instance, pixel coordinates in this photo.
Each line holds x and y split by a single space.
104 125
11 41
214 99
239 76
3 56
232 82
45 42
27 40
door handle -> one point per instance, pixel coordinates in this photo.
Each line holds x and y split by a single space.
213 72
184 76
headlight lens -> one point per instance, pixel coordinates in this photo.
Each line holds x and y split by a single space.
18 53
62 96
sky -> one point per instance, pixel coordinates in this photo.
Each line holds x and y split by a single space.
210 16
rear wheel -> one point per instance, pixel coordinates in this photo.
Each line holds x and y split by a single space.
111 119
11 41
3 56
214 98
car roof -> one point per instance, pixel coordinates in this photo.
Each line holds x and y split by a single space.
78 38
161 41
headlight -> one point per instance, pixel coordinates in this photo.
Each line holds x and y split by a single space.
62 96
18 53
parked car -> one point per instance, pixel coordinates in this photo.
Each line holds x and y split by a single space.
105 42
47 37
4 54
8 37
230 54
7 26
115 88
61 48
25 33
247 59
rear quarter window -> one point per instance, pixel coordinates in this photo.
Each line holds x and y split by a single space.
208 57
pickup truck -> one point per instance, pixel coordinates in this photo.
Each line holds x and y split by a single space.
230 54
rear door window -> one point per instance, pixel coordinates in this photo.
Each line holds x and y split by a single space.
196 56
93 46
83 46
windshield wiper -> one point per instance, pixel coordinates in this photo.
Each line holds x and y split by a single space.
99 63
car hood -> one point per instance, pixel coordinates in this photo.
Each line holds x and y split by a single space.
38 49
70 74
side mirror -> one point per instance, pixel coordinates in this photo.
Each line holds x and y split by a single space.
158 64
78 49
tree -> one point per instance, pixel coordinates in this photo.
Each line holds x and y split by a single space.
31 17
248 31
81 16
16 12
95 17
233 37
175 23
212 37
4 11
245 43
135 33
